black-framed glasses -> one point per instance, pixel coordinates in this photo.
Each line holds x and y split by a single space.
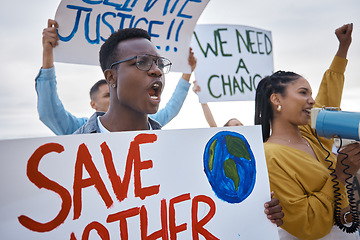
144 62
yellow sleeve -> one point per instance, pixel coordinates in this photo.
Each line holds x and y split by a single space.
329 95
304 191
331 87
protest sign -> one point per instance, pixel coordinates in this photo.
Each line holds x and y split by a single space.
232 59
171 184
84 25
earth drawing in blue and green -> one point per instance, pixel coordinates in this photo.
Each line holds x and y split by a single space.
229 165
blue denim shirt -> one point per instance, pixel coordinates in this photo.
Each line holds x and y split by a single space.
53 114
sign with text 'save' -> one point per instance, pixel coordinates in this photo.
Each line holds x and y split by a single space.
170 184
84 25
232 59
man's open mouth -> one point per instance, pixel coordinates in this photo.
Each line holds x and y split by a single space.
155 91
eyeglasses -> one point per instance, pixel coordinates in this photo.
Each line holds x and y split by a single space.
144 63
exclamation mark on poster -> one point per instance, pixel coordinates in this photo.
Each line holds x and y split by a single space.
177 33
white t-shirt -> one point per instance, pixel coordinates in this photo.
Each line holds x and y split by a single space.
104 130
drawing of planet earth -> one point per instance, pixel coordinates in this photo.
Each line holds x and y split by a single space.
229 165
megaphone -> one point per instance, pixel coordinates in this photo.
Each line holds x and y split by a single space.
331 123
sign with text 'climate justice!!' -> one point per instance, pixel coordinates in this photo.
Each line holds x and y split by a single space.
84 25
232 59
172 184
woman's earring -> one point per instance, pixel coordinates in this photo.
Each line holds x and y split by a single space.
278 108
113 85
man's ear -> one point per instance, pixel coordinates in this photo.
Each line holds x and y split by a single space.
93 104
110 76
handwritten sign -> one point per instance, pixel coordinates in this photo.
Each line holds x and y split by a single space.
84 25
171 184
232 59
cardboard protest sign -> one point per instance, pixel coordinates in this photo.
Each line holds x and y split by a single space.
171 184
232 59
84 25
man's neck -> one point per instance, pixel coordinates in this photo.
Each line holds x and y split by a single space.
124 122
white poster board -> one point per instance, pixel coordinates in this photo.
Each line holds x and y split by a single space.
84 25
136 184
232 59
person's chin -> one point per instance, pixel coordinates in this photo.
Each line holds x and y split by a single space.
153 109
304 122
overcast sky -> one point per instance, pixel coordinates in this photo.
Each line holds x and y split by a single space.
303 42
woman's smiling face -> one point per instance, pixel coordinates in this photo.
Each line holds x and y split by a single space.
297 102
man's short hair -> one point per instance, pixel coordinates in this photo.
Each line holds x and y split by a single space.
108 54
95 88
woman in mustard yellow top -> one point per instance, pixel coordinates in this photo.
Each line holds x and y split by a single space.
298 173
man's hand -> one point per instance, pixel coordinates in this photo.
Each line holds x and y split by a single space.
192 62
49 41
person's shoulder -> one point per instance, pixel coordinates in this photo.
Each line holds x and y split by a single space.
155 125
91 126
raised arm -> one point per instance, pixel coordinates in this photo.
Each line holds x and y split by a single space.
172 108
49 42
343 34
331 88
51 111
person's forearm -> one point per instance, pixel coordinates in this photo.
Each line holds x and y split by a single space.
50 109
342 51
208 115
186 76
48 58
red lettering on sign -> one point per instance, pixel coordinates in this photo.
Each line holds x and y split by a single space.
163 232
198 226
41 181
121 188
121 217
139 165
72 236
84 159
172 224
101 231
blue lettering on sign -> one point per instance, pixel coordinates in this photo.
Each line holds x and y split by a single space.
149 5
92 2
180 14
170 28
122 18
103 18
151 26
120 7
87 37
77 19
141 19
178 30
167 6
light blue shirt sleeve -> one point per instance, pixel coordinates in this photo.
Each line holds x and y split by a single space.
172 108
51 111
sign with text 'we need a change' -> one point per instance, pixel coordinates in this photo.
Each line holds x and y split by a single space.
171 184
232 59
